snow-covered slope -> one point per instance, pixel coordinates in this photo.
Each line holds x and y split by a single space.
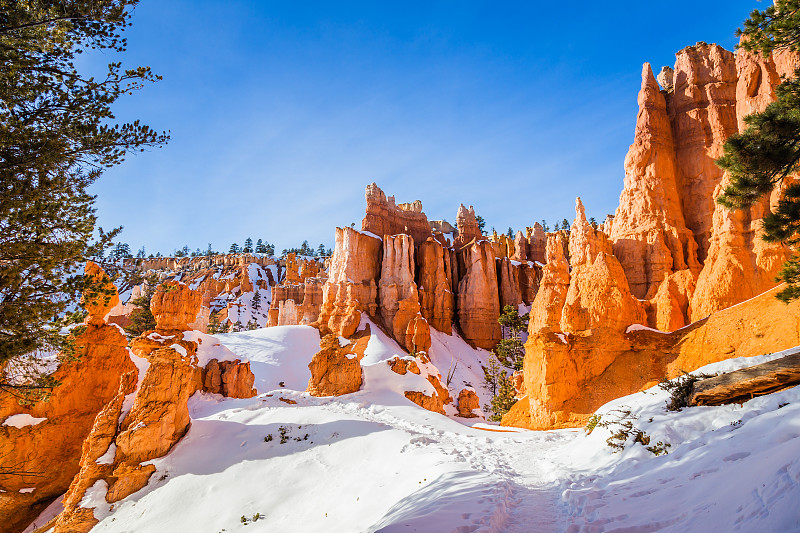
373 461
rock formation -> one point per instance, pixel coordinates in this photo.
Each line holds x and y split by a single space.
650 236
549 301
397 291
384 217
352 283
435 285
157 415
478 297
335 369
537 242
564 387
468 402
467 224
51 448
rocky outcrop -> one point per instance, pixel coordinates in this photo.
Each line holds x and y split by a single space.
174 305
740 264
292 275
564 388
157 414
537 243
335 369
598 296
352 283
648 230
478 298
434 402
384 217
232 379
702 109
549 301
468 402
435 285
51 447
287 313
312 299
397 291
467 224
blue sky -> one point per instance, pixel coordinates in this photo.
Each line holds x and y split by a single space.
282 112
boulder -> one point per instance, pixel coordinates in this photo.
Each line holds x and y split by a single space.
468 402
335 370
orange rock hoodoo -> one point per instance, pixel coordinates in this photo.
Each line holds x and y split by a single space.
335 369
668 257
51 448
158 415
383 217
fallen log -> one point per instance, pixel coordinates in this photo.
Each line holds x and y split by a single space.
747 383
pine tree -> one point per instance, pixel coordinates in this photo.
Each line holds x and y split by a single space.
545 226
141 253
234 249
213 324
141 317
510 232
270 250
321 250
761 158
248 246
260 248
251 324
481 224
209 252
256 301
57 136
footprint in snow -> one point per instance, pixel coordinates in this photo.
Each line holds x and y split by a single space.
736 456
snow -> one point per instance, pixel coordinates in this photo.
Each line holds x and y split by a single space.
108 457
208 347
22 420
50 512
374 461
27 490
640 327
370 234
277 354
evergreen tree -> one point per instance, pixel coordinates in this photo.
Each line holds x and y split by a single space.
507 356
56 138
256 301
260 248
213 324
270 250
141 254
305 249
209 252
251 324
248 246
141 317
481 224
545 226
761 158
234 249
321 250
120 251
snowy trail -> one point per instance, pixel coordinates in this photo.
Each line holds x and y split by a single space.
524 493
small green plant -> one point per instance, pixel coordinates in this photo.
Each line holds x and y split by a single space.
680 389
284 431
623 430
268 438
256 517
592 423
660 448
